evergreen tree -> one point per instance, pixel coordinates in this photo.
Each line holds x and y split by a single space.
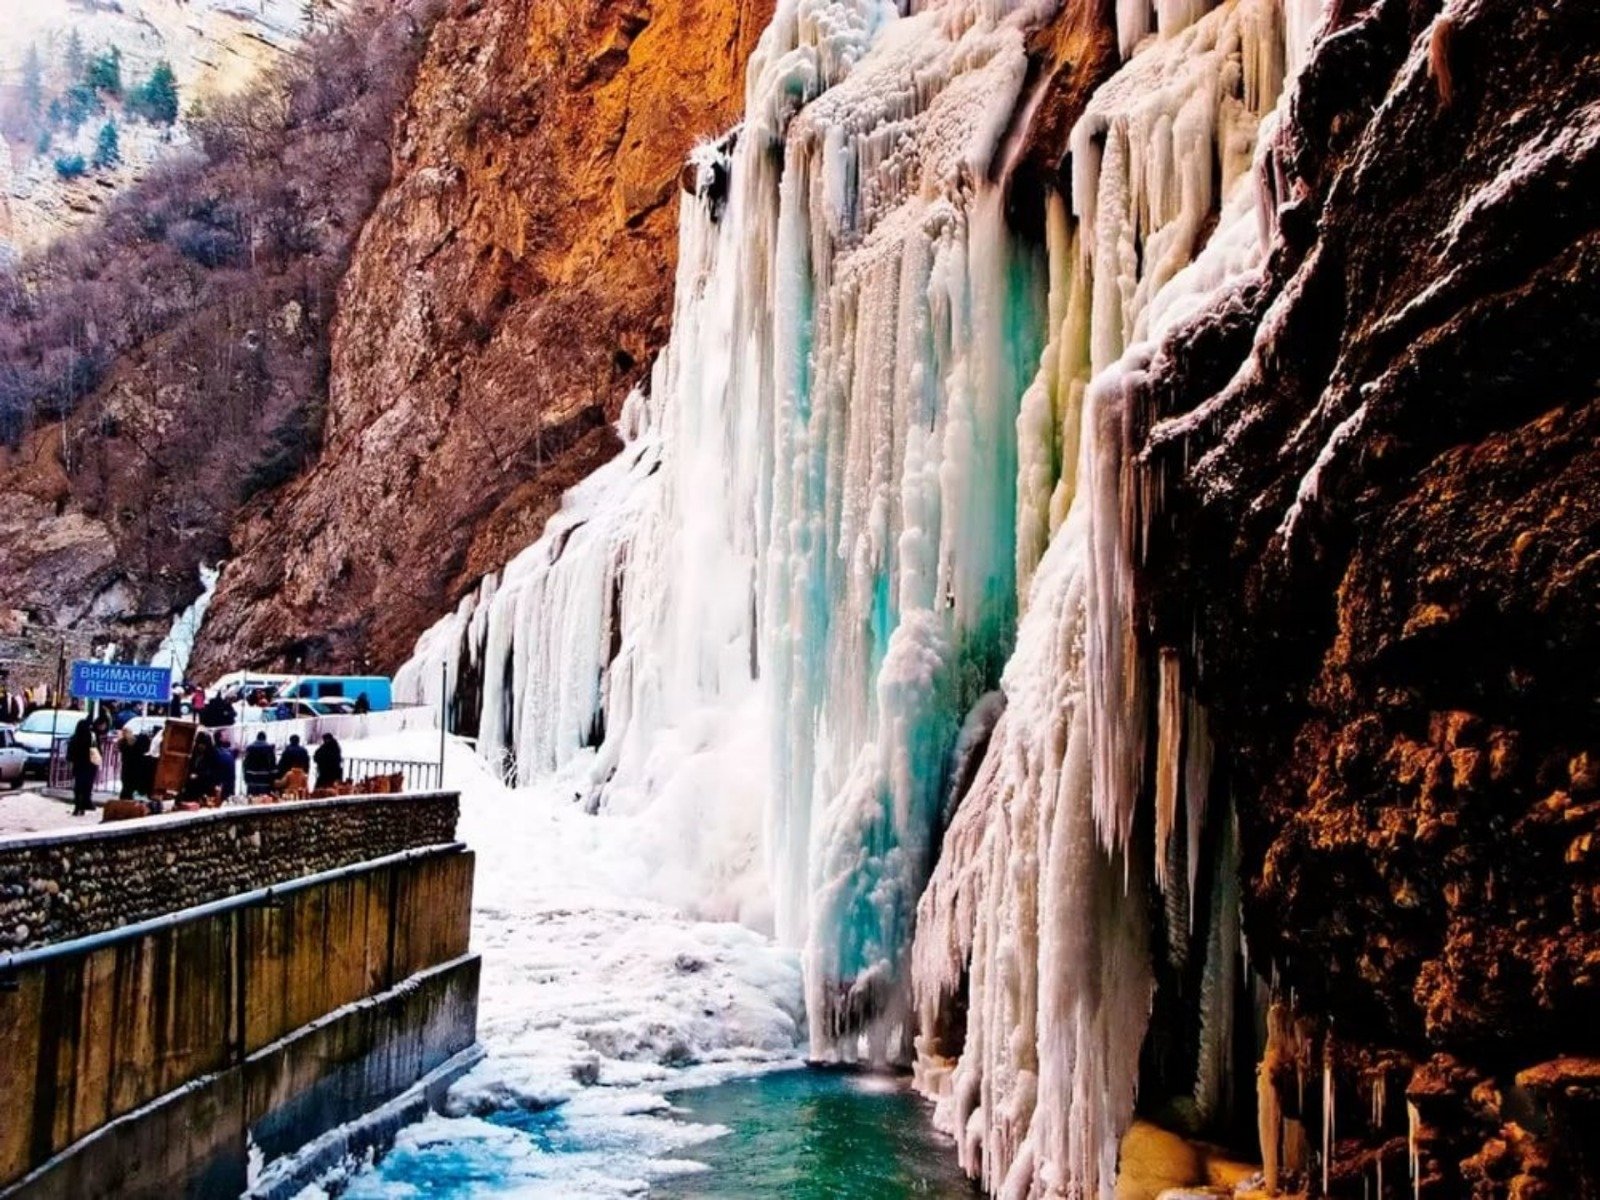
70 166
107 151
33 83
104 73
75 107
74 56
156 99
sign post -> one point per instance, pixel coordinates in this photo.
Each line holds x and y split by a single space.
121 681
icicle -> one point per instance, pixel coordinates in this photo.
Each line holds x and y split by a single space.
1219 983
1269 1112
1327 1112
1413 1156
1048 929
1196 788
1169 743
1380 1100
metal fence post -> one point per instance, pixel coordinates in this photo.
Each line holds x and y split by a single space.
444 675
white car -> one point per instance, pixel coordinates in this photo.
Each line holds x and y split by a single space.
13 758
40 730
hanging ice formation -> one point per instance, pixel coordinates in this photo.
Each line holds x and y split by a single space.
1033 957
808 547
882 423
178 645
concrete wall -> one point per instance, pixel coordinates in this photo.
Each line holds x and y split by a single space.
140 1062
53 888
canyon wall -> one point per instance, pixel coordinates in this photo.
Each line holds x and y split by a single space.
512 286
166 362
1370 488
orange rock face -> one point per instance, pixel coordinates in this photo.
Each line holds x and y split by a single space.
511 287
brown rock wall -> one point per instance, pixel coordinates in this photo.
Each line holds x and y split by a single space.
513 284
1400 677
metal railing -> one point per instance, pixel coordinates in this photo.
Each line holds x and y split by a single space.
416 776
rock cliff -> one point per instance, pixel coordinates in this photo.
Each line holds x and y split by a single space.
162 364
513 284
1371 479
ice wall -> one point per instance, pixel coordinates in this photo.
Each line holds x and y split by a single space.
884 431
1033 956
787 595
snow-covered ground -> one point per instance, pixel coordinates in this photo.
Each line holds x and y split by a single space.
31 811
595 998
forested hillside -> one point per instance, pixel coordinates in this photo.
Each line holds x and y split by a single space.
163 367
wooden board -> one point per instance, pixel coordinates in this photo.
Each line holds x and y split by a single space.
172 769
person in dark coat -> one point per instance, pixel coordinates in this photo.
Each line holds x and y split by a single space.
362 705
295 757
330 762
218 713
83 755
130 773
224 771
201 759
142 765
260 767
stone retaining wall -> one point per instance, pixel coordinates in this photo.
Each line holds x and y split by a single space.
148 1062
55 888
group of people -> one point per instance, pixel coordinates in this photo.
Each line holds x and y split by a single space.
213 765
267 771
14 706
17 703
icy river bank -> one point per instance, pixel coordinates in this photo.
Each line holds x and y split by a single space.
631 1048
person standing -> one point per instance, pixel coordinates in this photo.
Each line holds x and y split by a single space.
201 758
330 762
83 756
260 767
294 757
142 765
128 762
224 777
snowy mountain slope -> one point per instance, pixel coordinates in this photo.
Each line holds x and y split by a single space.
214 47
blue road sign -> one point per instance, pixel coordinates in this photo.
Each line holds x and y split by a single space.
121 681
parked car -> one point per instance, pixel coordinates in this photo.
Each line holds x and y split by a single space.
13 758
40 730
305 710
378 689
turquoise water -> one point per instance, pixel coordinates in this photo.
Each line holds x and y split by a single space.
806 1135
791 1135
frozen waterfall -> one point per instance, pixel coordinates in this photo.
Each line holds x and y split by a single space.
1033 966
877 492
807 553
178 645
